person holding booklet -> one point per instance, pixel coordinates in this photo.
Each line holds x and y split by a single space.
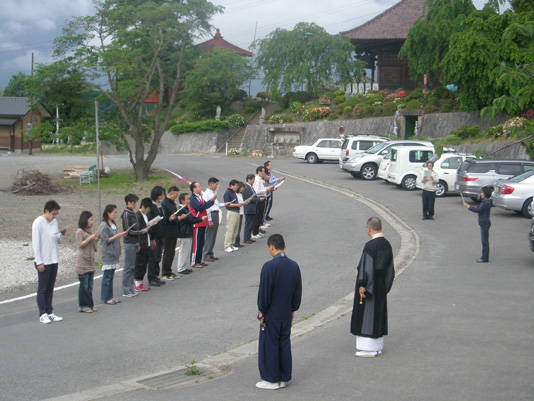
232 216
145 243
430 179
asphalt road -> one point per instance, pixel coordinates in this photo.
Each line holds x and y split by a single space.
458 329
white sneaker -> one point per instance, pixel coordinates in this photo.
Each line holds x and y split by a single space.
267 385
54 318
256 236
45 319
266 225
368 354
283 384
235 248
229 249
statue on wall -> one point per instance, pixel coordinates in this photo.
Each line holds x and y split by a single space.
218 115
262 117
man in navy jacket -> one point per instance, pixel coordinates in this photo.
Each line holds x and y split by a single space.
279 297
249 208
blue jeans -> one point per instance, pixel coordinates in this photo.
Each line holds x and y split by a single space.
85 291
107 285
45 288
484 236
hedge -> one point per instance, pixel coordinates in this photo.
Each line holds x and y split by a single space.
200 126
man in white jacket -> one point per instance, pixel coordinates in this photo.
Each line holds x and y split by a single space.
45 238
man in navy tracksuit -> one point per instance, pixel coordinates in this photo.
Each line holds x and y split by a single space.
279 297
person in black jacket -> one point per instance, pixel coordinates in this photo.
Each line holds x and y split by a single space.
187 222
131 243
172 230
250 209
145 243
157 236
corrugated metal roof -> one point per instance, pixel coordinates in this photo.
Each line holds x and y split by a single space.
14 106
394 23
8 121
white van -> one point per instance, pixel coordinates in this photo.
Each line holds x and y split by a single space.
405 164
383 169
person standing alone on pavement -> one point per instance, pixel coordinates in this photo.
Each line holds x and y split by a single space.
430 179
484 222
374 279
45 238
279 297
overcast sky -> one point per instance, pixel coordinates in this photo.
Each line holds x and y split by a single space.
31 25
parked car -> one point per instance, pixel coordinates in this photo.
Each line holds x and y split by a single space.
365 165
354 144
472 175
446 167
383 168
405 164
516 193
323 149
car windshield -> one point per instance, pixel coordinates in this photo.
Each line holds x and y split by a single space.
522 176
433 159
377 148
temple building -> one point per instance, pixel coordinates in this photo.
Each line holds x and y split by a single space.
217 42
378 43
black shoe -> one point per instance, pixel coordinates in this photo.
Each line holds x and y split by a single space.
263 231
154 283
425 218
185 271
268 218
160 281
431 218
239 245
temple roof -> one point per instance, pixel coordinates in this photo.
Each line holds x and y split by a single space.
219 43
394 23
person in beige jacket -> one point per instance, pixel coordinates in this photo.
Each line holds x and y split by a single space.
85 263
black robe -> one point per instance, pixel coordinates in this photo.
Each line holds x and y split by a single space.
376 273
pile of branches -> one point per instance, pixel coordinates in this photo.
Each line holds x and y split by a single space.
34 182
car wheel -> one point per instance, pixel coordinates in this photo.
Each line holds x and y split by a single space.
408 182
441 189
368 172
531 208
312 158
526 208
355 175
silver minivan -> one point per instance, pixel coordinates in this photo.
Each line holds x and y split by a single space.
473 175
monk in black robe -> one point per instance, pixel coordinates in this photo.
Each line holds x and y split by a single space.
375 277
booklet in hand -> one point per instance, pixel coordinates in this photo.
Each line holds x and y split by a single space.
155 221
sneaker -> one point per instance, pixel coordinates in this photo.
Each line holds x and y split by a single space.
131 294
269 218
267 385
184 271
173 275
229 249
168 278
256 236
160 281
154 283
283 384
54 318
266 225
142 287
235 248
262 232
45 319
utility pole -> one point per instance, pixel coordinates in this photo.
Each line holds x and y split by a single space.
252 60
57 123
98 160
31 115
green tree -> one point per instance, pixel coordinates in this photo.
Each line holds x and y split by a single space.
214 80
18 86
136 47
307 55
516 76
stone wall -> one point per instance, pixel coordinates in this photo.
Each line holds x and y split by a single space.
432 126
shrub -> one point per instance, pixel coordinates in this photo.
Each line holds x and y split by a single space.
449 106
453 139
339 99
417 93
299 96
252 106
296 108
280 119
372 98
414 104
353 101
347 111
467 132
236 120
400 94
440 92
325 101
527 114
339 92
262 95
512 125
389 108
200 126
316 113
332 117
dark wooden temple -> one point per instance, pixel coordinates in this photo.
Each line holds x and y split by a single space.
379 40
217 42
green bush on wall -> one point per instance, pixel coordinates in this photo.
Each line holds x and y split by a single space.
200 126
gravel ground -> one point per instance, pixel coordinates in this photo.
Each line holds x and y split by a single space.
18 212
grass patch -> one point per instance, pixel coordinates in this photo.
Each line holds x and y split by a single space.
123 182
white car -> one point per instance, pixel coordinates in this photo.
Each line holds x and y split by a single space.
354 144
405 164
445 166
323 149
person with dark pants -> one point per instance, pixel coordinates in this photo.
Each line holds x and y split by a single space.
45 238
430 179
249 209
85 262
484 222
172 229
279 297
213 220
261 190
141 259
272 181
157 236
237 242
199 208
